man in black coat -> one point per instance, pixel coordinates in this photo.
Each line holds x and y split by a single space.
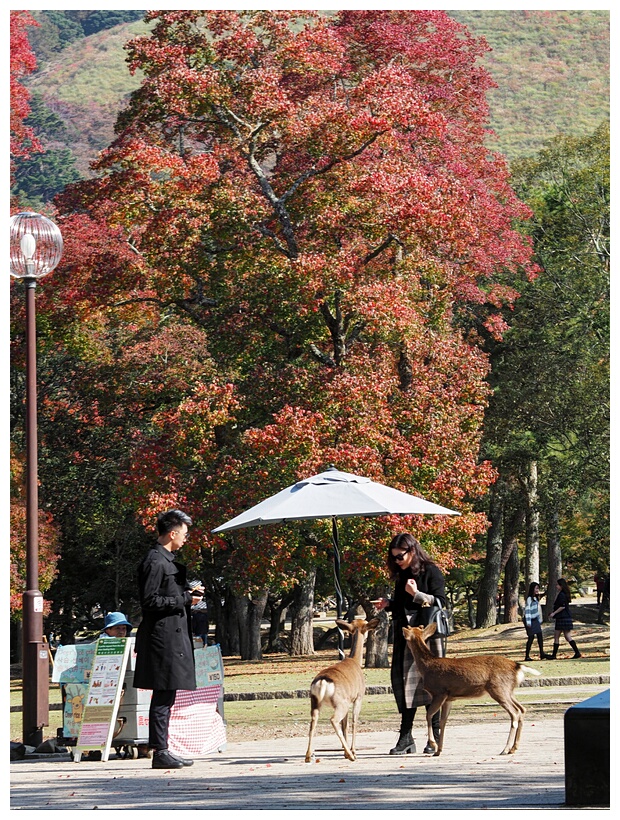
164 644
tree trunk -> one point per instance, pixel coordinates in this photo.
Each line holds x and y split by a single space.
277 621
511 587
532 535
510 565
227 628
377 643
242 605
302 610
554 557
250 611
487 595
256 611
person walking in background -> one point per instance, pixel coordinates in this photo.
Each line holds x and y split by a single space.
532 618
418 584
599 580
164 644
563 619
604 605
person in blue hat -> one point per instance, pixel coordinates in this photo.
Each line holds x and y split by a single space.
115 625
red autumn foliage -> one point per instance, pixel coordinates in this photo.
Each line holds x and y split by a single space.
314 197
22 62
47 541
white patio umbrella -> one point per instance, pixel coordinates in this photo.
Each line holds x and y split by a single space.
333 494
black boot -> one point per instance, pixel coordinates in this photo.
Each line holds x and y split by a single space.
575 650
528 646
405 745
556 646
543 657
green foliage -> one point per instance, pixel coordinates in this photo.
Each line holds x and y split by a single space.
44 121
38 178
550 375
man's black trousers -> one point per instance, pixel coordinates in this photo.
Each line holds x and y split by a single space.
159 717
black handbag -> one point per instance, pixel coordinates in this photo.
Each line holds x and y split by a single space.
434 613
441 618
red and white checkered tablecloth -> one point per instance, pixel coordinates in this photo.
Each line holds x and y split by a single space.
196 728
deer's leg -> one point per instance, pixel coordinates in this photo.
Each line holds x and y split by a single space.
340 715
520 712
434 706
445 711
515 710
344 723
314 717
355 713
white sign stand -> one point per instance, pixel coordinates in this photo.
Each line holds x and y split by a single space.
104 696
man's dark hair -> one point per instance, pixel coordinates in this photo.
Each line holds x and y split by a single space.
168 521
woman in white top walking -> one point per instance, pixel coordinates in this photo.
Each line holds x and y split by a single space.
532 619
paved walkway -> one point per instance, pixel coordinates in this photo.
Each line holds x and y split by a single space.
272 775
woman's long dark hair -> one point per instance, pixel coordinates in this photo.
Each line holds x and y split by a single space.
531 593
405 542
564 586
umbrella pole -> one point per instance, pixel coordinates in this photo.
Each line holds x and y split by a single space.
337 585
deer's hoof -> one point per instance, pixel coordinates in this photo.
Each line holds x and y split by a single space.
437 753
309 758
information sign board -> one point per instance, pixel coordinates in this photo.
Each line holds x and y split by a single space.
104 694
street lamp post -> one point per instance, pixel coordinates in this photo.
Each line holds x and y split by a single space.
36 248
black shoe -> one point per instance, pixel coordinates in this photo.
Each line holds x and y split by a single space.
527 659
405 745
184 760
164 760
576 655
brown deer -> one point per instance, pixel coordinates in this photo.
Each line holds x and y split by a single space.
447 679
342 686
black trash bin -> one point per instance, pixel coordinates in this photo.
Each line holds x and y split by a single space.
586 752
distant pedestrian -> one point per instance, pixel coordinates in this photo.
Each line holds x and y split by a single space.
532 619
563 619
164 644
599 580
604 606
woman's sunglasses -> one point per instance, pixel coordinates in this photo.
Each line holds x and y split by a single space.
401 556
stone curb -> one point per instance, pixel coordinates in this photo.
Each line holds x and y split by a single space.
290 694
576 680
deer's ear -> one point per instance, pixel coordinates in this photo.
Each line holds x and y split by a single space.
372 624
343 625
430 630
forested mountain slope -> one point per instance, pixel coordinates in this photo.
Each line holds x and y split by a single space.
552 71
551 67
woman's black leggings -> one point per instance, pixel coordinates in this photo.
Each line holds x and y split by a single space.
407 717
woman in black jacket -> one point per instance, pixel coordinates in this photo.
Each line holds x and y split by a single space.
563 619
419 583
